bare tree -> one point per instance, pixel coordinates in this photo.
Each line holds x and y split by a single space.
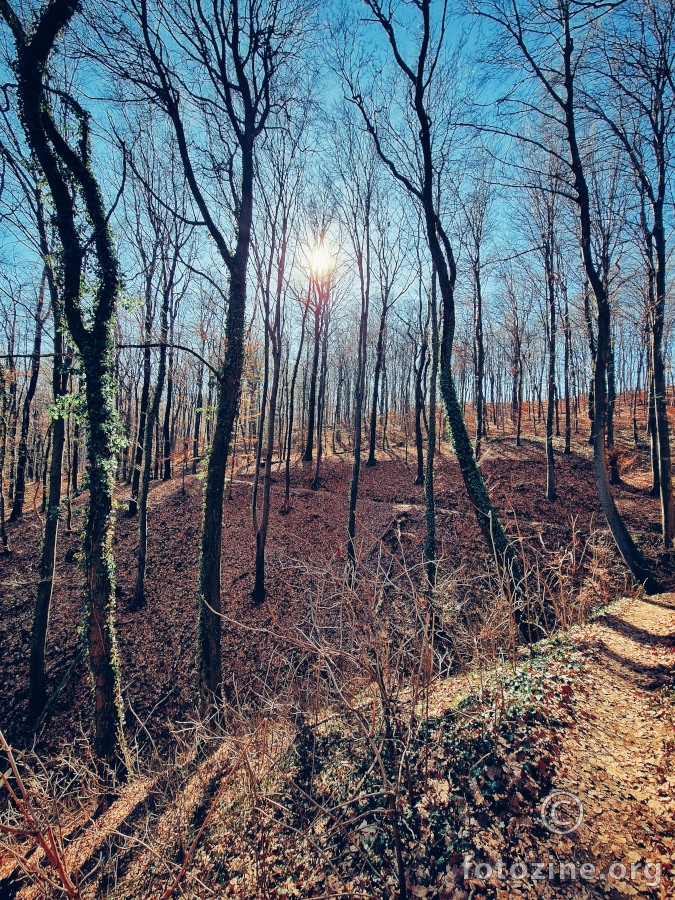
279 194
636 101
547 40
68 170
416 46
236 52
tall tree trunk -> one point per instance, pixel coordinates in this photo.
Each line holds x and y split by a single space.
660 389
198 416
321 403
363 264
61 165
166 429
588 315
519 413
630 553
22 458
419 410
45 468
132 509
550 284
379 359
567 334
478 355
612 459
286 507
37 680
308 454
261 532
152 412
13 417
274 335
76 458
209 662
430 556
3 450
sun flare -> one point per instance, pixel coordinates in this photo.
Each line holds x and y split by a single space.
321 260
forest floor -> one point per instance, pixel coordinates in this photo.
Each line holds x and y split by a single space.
590 712
617 756
305 549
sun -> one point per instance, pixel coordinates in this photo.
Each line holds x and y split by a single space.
321 260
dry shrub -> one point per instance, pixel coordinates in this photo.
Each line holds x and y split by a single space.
57 838
356 674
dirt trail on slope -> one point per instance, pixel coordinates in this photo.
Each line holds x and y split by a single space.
619 761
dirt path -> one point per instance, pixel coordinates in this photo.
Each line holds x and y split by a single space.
619 759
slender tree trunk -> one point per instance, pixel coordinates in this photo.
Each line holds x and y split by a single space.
13 416
321 404
209 662
45 467
3 450
593 350
20 483
430 560
660 388
198 417
379 359
261 533
612 459
76 459
37 680
611 397
132 509
632 556
152 412
308 454
567 333
273 333
519 412
363 261
550 463
479 356
636 394
166 430
261 432
419 410
291 408
491 527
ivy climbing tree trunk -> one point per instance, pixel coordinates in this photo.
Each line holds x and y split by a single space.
64 167
37 693
37 680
